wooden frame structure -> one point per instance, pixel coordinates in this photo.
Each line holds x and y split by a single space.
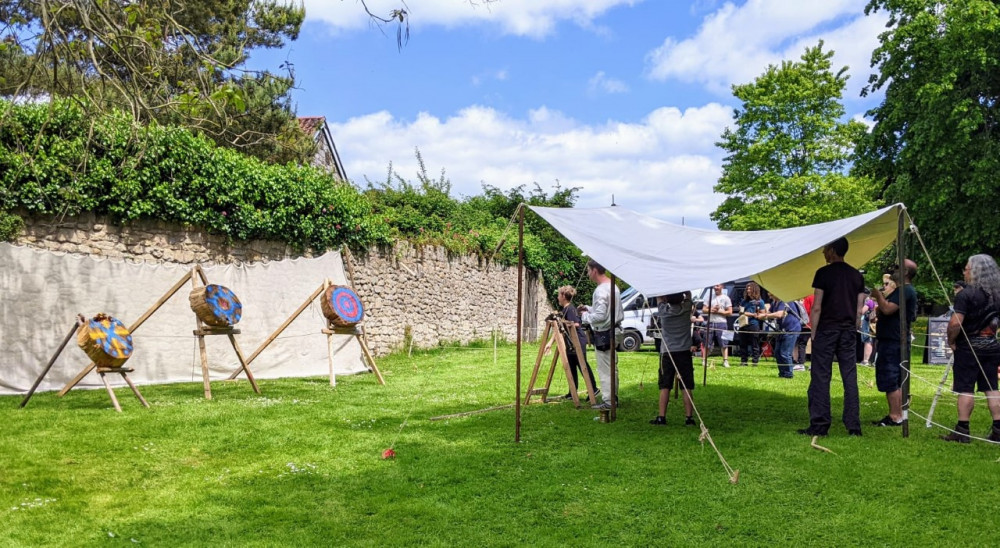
356 331
555 337
201 331
102 370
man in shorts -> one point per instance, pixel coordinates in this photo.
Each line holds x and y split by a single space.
676 351
721 307
888 361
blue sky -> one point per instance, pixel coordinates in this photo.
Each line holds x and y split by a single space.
623 97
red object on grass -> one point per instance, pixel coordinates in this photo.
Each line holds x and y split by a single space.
388 454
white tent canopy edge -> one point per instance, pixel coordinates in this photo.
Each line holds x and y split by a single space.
659 258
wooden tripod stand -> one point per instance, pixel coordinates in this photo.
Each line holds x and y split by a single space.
562 335
190 276
329 331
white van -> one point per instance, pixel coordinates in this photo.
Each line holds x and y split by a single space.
638 314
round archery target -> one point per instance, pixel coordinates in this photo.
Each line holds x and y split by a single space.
105 340
343 306
112 337
223 304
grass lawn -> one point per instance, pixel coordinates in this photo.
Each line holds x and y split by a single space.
301 465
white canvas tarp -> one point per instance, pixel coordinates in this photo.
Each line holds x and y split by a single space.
658 258
42 292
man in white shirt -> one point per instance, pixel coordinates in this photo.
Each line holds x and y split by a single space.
598 315
722 307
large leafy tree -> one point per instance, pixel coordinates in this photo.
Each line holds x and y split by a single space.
935 145
170 61
789 153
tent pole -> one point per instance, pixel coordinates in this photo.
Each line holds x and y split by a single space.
904 332
520 307
613 310
706 339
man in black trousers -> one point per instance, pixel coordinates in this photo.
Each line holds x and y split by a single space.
836 318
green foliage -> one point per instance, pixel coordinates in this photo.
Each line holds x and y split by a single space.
10 226
176 63
301 464
425 212
935 145
787 158
54 160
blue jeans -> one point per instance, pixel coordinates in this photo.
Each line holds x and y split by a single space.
783 346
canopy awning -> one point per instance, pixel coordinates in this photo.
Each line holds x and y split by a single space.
658 258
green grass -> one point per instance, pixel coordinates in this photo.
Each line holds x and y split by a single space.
301 465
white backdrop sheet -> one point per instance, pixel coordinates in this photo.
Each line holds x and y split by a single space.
41 293
659 258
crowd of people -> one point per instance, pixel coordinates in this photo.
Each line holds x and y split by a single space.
842 320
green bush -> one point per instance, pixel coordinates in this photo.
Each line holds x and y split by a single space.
54 161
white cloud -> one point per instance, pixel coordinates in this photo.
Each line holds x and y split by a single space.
666 164
735 44
479 79
518 17
600 83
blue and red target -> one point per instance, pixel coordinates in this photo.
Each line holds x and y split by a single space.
216 305
342 306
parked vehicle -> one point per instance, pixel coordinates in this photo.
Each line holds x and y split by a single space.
638 314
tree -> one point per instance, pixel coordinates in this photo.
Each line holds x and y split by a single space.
173 61
935 145
788 156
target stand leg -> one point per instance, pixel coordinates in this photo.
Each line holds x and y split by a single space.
358 333
123 371
329 358
111 392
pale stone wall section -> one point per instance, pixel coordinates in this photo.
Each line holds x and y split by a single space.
436 297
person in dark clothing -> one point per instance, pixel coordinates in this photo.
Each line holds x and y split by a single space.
972 335
835 317
565 298
888 361
788 332
752 307
676 351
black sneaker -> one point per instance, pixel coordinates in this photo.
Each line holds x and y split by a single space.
811 431
994 435
961 435
689 422
659 421
887 421
854 432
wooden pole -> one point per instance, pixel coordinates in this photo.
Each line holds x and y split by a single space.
135 325
904 331
38 381
281 328
614 352
705 340
520 307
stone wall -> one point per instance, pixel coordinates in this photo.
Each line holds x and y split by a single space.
423 295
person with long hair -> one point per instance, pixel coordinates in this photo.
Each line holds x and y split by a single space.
565 297
972 334
753 308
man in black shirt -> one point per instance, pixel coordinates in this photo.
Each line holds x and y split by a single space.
836 317
972 335
888 363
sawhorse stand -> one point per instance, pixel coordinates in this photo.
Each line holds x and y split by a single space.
559 329
202 330
358 332
121 370
201 333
